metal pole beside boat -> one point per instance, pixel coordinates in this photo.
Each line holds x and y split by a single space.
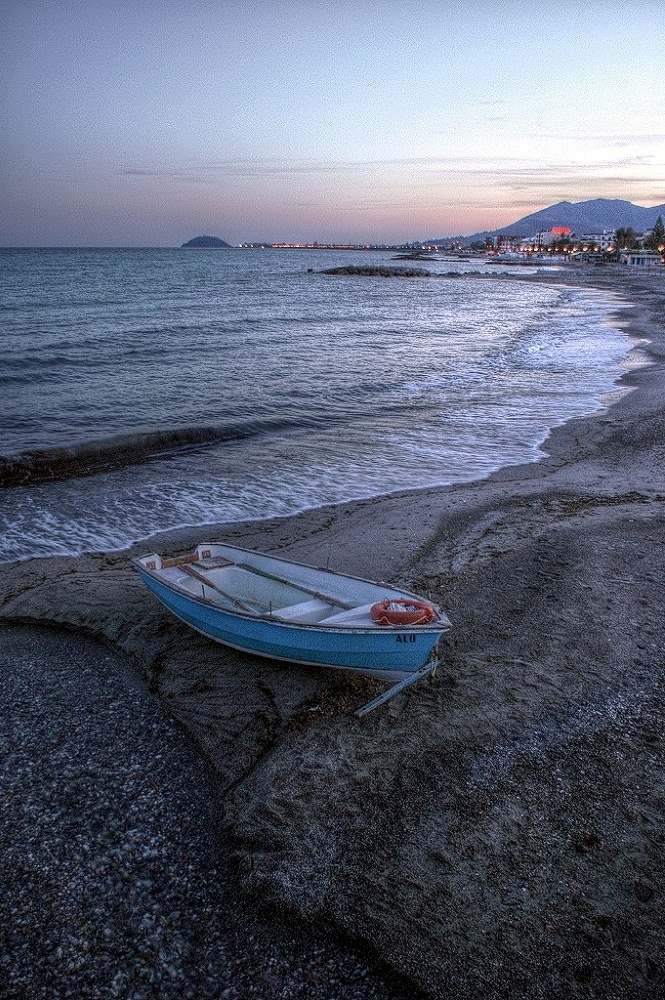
426 671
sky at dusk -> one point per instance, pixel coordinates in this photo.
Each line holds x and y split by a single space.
145 123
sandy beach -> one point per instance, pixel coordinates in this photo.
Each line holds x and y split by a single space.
497 832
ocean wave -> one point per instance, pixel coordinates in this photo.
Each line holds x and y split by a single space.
91 458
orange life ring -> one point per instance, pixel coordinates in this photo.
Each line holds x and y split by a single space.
402 611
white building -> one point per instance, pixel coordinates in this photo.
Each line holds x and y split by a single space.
603 240
547 237
643 258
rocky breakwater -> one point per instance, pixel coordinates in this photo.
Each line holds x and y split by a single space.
497 832
380 271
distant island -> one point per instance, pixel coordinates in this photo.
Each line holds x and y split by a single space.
207 243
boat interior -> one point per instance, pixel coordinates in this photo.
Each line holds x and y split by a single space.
260 590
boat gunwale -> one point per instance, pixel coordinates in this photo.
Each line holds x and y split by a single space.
274 618
293 562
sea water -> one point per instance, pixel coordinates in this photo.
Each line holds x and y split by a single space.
142 390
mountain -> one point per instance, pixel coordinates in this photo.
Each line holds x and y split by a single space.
207 243
588 217
582 217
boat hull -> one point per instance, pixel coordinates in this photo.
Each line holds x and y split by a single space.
390 654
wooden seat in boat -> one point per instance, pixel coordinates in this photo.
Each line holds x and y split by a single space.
306 611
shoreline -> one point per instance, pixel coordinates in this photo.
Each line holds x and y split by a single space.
510 813
626 316
68 470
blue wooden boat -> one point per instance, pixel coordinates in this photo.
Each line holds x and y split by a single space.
288 611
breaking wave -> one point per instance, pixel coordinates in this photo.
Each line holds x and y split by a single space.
91 458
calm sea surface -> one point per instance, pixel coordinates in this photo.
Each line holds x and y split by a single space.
148 389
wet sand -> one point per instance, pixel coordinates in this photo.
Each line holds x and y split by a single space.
499 831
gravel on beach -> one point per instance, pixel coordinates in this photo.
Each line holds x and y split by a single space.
113 878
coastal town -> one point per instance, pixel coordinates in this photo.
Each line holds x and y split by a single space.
556 245
621 245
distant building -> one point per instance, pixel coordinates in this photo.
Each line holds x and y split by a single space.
604 240
545 238
505 242
643 258
549 236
